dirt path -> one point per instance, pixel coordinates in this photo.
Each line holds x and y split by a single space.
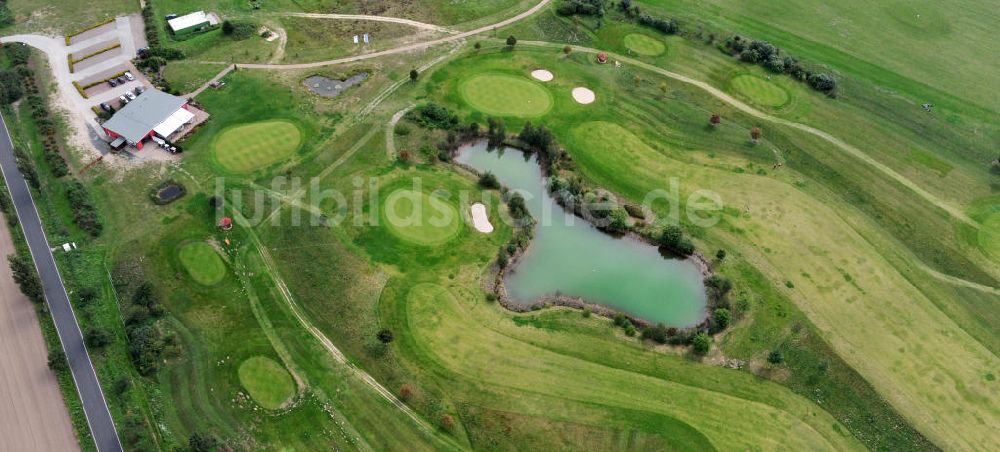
33 416
390 132
395 20
335 353
279 53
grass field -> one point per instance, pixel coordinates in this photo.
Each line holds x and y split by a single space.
759 91
66 16
267 382
421 218
643 44
202 262
506 95
250 147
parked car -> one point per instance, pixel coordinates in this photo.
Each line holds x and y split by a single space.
128 76
170 16
141 53
124 99
129 95
112 82
106 107
121 80
139 90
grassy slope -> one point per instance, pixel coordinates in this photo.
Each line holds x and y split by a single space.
676 136
919 40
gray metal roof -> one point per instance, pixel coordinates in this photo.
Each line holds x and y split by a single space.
139 117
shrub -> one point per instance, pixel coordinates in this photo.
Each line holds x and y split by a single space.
511 41
659 333
721 319
489 181
84 212
433 116
239 29
17 53
775 357
822 82
98 337
385 336
202 442
414 74
405 392
57 360
667 26
11 88
701 343
518 209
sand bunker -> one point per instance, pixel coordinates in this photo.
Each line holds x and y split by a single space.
542 75
480 220
583 95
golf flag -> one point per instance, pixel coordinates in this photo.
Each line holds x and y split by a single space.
366 38
355 39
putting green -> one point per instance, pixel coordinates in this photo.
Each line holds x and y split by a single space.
644 45
268 382
506 95
989 235
420 218
759 91
202 263
248 147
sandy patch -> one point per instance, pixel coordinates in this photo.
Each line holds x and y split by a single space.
480 220
583 95
542 75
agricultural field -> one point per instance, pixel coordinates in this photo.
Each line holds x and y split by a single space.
849 266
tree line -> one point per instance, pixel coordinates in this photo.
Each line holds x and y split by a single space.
772 58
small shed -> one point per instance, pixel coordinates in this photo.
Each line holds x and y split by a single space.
190 23
226 223
602 58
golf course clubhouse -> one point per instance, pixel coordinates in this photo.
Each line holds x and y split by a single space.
152 113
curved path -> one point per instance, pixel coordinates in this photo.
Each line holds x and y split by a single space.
406 48
395 20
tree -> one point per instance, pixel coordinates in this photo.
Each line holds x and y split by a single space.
721 318
26 278
567 50
203 442
619 220
720 255
663 88
405 157
478 45
701 343
87 295
671 236
10 86
775 357
619 319
755 134
238 29
57 360
385 336
511 41
413 75
715 120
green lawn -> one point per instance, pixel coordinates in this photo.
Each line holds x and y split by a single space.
421 218
202 262
267 382
506 95
644 44
249 147
65 16
759 91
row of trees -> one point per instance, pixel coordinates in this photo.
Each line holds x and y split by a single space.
581 7
664 25
6 16
773 59
84 212
157 55
239 29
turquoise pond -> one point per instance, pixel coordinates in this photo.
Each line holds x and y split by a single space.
573 258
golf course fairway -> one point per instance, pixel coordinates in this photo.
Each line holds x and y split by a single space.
202 263
268 383
506 95
249 147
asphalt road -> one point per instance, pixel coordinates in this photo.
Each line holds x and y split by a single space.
95 407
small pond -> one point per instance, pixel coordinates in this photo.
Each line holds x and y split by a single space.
169 193
328 87
570 256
